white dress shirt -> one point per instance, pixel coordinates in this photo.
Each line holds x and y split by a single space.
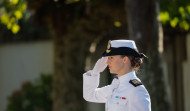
120 95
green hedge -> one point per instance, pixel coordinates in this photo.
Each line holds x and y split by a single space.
33 96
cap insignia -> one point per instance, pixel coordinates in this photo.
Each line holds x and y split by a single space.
108 47
135 82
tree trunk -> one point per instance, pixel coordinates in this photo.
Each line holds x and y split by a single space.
74 28
69 60
143 27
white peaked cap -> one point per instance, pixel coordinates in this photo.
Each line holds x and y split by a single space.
123 43
122 47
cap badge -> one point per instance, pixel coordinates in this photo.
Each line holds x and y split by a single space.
108 47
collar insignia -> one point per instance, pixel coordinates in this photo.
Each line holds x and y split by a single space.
135 82
108 47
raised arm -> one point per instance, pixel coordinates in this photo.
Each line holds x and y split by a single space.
91 92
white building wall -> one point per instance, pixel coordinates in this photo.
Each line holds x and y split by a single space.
20 62
186 77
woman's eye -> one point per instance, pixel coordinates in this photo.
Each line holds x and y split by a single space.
110 58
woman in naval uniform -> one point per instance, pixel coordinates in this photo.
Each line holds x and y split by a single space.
125 93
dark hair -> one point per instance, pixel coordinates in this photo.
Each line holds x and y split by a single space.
135 62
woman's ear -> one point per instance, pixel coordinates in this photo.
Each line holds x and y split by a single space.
125 59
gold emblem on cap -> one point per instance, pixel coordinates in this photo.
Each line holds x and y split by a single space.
108 47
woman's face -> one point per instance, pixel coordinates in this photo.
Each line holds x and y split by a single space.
116 64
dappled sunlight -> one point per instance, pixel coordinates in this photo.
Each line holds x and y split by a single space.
160 39
117 24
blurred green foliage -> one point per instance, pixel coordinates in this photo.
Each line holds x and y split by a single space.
175 14
32 96
11 12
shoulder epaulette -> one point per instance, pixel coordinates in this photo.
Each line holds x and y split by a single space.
135 82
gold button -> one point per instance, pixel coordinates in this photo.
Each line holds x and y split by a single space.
117 102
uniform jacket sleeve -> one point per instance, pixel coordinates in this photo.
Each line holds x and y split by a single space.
90 91
139 100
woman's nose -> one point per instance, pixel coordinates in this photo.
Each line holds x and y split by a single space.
108 61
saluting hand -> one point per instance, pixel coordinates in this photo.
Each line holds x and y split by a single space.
100 66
